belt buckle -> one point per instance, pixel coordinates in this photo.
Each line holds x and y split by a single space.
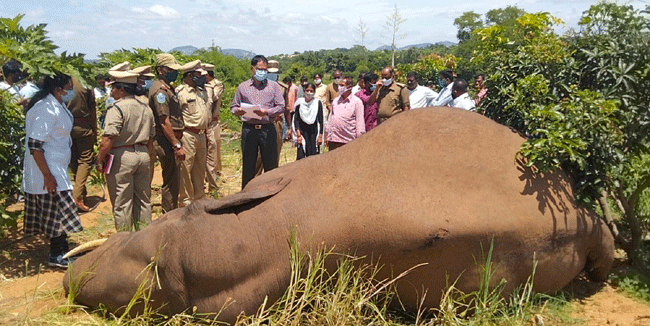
258 126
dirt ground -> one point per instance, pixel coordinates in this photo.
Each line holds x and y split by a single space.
31 292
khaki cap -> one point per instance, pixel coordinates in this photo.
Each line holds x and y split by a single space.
167 60
207 66
143 71
273 66
124 66
119 76
192 66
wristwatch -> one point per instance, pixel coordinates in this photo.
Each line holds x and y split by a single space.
177 146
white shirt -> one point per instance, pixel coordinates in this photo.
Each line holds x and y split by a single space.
421 97
29 90
356 89
99 93
463 102
444 98
51 122
12 89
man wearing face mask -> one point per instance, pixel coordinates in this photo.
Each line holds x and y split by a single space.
346 121
391 97
320 87
169 128
193 100
258 132
84 136
445 82
332 90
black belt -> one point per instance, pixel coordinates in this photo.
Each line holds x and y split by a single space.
255 126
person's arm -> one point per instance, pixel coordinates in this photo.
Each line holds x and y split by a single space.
373 96
278 103
319 119
216 104
168 131
361 122
105 146
235 106
406 102
36 149
92 106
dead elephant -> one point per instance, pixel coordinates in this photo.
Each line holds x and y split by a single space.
427 186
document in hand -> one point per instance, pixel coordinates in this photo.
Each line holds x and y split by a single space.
250 108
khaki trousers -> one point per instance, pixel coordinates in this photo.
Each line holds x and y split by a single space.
81 164
279 125
171 173
193 168
129 187
214 155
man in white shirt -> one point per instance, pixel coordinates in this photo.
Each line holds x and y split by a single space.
101 90
29 89
420 96
446 81
12 73
461 98
359 84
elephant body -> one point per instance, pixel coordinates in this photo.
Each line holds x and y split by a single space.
433 186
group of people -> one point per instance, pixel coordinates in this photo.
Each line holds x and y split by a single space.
147 119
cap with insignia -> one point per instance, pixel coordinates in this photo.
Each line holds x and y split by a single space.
143 71
273 66
124 66
123 77
191 66
167 60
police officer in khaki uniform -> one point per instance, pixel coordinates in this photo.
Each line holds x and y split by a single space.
214 87
169 128
124 153
145 81
84 136
392 97
193 100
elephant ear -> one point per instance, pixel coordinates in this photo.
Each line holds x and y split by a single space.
252 192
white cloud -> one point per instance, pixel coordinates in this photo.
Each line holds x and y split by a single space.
164 11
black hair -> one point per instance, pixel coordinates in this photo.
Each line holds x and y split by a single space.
287 80
318 74
11 67
370 77
187 73
256 59
130 88
362 74
447 74
312 85
303 78
211 73
100 77
50 83
412 74
460 85
480 75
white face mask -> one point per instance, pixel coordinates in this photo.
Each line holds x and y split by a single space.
337 80
342 90
387 82
317 81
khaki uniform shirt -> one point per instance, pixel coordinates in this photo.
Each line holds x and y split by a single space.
196 113
164 102
392 100
215 90
331 93
130 121
83 110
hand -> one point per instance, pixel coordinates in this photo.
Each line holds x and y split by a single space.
262 112
289 134
379 85
49 183
180 154
100 167
239 112
298 136
319 140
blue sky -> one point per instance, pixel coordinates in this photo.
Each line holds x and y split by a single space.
265 27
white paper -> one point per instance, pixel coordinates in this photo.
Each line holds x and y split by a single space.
249 109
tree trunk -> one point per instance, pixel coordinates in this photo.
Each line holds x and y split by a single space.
629 213
609 220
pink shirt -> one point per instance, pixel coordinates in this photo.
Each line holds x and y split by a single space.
346 120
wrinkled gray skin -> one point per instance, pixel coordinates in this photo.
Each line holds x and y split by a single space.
427 186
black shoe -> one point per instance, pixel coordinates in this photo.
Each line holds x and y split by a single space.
59 261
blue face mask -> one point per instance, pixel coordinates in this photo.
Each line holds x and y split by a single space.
373 87
68 96
260 75
442 83
147 83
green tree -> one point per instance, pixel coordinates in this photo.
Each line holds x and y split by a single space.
467 23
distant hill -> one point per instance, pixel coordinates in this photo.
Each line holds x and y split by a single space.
417 46
186 50
238 53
